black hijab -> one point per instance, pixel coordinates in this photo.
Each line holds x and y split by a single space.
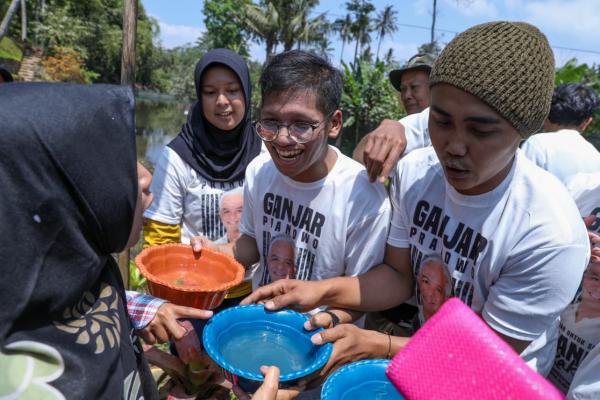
69 190
217 155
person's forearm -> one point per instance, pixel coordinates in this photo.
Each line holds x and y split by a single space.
378 289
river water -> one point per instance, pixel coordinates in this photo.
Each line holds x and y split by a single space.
156 124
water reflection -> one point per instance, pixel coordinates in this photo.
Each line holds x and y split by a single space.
157 123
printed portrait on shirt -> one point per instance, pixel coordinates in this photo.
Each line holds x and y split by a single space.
281 258
434 285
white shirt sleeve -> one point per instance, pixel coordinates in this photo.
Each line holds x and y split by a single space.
168 188
365 243
586 382
416 130
399 226
519 303
534 153
247 220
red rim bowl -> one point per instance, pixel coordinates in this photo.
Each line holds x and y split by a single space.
175 273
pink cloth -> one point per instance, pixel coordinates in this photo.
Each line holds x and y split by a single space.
455 355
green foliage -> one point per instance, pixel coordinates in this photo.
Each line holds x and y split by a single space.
582 73
9 50
368 98
137 282
222 28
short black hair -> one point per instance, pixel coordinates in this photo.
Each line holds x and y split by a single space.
572 104
299 70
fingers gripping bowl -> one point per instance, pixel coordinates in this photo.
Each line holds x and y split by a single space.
243 338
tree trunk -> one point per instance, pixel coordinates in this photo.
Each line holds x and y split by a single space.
433 21
378 46
128 78
129 30
23 20
12 9
342 52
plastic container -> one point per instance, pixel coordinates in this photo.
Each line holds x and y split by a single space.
361 380
175 273
243 338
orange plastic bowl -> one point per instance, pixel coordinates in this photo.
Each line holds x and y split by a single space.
176 274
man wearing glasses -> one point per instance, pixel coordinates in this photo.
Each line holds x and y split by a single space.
304 188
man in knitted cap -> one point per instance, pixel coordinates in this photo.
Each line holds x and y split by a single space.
508 232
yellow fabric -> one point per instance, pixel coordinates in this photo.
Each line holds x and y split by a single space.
243 289
156 233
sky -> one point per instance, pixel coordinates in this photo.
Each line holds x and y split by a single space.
572 26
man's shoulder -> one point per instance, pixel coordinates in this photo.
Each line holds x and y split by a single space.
419 163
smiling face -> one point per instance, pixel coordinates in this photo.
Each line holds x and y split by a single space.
432 287
591 283
303 162
144 199
230 213
222 97
414 90
474 144
280 261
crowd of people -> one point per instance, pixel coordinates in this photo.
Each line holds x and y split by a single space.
481 206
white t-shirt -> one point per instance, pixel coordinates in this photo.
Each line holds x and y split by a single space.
585 190
563 153
506 250
182 196
416 130
576 340
586 382
338 224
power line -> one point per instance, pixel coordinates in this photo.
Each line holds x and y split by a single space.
428 28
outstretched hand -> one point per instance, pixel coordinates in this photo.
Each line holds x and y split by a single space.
269 390
165 326
381 149
200 242
350 343
299 295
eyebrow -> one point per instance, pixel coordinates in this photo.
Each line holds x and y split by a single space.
481 120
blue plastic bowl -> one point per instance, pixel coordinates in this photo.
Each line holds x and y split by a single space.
241 339
361 380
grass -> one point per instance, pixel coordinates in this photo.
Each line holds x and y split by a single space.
9 50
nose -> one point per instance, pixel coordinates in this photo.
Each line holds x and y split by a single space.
222 100
456 144
406 94
284 140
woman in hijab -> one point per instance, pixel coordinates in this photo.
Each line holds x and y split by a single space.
208 157
71 196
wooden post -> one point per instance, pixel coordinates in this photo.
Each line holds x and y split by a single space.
23 21
129 30
128 78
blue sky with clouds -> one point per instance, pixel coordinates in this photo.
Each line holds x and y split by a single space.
572 26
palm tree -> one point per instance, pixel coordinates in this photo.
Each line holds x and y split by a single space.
263 22
297 28
10 13
284 22
361 27
342 27
385 24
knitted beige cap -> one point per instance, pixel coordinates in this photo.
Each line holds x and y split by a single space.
507 65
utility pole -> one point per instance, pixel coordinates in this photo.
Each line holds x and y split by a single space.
129 30
128 78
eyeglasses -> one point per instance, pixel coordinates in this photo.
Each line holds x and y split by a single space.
300 132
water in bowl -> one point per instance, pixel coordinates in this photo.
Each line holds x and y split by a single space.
376 390
247 347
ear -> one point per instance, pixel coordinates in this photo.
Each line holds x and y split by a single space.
583 126
336 125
